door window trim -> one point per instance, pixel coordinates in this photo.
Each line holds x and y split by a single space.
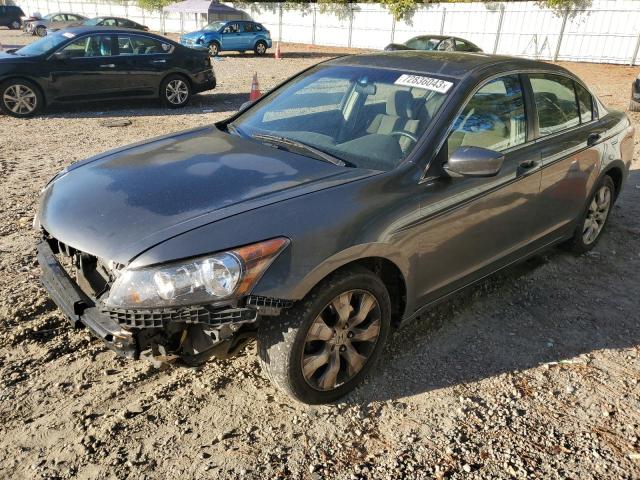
528 99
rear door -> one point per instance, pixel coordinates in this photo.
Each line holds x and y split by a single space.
144 62
568 135
88 69
248 35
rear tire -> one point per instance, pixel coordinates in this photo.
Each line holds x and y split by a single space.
20 98
315 356
41 31
15 25
634 106
594 218
175 91
260 48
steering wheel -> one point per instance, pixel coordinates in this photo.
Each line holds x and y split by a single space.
402 133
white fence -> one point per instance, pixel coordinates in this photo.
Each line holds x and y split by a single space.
605 31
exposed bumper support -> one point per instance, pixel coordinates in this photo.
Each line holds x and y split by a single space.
80 309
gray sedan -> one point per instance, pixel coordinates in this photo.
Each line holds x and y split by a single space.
52 22
346 202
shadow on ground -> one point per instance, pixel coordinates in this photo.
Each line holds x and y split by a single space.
550 308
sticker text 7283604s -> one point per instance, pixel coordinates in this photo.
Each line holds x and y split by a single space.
428 83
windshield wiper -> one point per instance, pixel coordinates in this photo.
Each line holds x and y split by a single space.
287 142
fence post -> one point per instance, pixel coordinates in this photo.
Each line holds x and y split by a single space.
313 30
393 28
350 24
635 52
280 22
444 15
564 23
495 45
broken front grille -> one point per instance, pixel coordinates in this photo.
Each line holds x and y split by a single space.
160 318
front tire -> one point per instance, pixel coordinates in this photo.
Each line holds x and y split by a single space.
175 91
594 218
41 31
260 48
214 49
321 348
20 98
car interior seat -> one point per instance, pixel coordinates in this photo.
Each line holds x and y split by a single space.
400 115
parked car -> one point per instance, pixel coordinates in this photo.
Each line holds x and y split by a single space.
11 16
53 22
344 203
113 22
444 43
100 63
233 35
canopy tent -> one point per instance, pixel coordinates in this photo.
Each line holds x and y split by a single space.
213 9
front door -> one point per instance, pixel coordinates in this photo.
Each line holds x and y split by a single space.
231 37
471 225
85 69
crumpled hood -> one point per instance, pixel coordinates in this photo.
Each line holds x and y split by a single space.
193 35
121 203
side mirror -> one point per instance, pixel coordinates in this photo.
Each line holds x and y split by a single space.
245 105
474 162
60 55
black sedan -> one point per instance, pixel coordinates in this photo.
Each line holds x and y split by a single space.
113 22
342 204
100 63
442 43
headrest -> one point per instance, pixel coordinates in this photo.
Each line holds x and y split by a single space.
400 104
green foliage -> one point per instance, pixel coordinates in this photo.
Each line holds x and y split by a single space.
154 5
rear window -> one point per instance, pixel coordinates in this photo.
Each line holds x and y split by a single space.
585 102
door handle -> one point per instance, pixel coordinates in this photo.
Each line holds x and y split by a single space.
593 138
159 61
108 65
529 164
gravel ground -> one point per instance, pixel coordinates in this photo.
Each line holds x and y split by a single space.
533 373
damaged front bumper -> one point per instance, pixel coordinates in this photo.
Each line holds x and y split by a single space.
192 333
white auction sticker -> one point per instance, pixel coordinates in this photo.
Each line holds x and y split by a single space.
428 83
68 34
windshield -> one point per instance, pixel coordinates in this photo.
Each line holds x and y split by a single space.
44 44
367 117
214 26
91 22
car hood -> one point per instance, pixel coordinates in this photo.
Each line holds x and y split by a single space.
119 204
6 58
194 35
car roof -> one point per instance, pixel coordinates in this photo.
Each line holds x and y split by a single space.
82 30
449 64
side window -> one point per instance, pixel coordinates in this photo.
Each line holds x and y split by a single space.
585 102
463 46
494 118
138 45
109 22
126 23
72 18
91 46
257 28
556 103
57 18
248 27
231 28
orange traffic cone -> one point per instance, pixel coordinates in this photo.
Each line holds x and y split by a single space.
278 56
255 89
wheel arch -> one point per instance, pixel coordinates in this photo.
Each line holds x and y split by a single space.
615 170
32 80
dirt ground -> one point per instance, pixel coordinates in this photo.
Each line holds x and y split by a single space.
533 373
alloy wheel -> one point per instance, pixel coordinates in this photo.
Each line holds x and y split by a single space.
596 215
341 340
177 92
20 99
261 48
213 49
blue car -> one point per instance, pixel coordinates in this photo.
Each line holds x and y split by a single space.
233 35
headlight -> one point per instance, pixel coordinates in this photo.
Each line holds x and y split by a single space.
201 280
